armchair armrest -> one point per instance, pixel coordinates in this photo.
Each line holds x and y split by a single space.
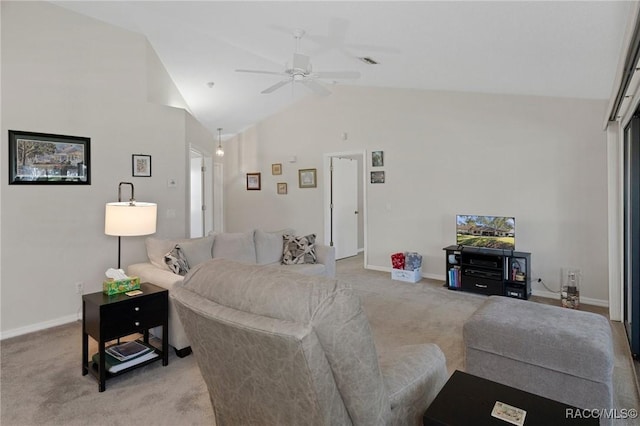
326 255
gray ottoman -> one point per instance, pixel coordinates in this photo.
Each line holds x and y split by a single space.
559 353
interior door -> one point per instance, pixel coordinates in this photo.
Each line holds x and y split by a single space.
218 206
196 214
200 193
345 206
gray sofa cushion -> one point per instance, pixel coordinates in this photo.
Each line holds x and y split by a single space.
269 246
305 268
197 250
237 246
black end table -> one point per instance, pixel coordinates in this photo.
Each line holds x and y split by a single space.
106 318
468 400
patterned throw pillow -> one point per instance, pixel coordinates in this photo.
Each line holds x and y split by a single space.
298 250
176 261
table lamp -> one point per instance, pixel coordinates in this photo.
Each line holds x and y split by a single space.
129 218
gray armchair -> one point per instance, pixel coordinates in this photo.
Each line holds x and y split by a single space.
281 348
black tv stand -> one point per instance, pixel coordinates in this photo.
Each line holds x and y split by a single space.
489 271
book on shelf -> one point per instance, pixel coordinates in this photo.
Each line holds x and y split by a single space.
127 350
114 365
454 278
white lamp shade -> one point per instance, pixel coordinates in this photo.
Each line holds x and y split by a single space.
124 219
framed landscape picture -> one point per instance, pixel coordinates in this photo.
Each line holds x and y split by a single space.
253 181
307 178
141 165
48 159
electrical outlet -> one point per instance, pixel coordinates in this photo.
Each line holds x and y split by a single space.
79 288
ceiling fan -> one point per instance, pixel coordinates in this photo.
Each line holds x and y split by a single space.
301 72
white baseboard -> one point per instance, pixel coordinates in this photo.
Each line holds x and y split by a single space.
387 269
38 327
585 300
548 294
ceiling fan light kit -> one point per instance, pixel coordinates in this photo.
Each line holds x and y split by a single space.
301 72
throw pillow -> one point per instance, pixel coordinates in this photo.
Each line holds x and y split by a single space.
176 261
297 250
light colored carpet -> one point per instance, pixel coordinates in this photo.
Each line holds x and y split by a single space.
41 381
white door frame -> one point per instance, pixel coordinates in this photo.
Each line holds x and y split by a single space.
206 188
218 197
327 194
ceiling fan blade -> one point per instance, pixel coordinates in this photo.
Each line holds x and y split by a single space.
316 87
275 86
337 74
262 72
300 61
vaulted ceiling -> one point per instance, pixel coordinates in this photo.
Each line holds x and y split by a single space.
563 49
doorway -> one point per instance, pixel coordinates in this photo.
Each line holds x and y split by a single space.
218 201
344 203
200 193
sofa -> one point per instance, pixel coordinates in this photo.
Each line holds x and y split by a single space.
279 348
252 247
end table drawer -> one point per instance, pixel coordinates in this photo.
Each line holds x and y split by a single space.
136 314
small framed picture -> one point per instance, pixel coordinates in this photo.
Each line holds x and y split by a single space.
377 177
141 165
377 159
282 188
276 169
253 181
307 178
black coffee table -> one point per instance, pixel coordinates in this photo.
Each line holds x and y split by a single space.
468 400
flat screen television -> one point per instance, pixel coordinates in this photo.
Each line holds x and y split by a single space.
496 232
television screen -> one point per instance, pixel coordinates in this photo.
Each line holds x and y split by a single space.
495 232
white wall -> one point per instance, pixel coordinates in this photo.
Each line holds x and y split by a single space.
64 73
542 160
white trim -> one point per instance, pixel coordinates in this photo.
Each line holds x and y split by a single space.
39 326
423 275
615 138
620 70
583 300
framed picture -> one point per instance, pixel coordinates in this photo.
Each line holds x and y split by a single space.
377 159
253 181
377 177
307 178
41 158
276 169
141 165
282 188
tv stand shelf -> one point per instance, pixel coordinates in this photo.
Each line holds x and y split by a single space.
489 271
